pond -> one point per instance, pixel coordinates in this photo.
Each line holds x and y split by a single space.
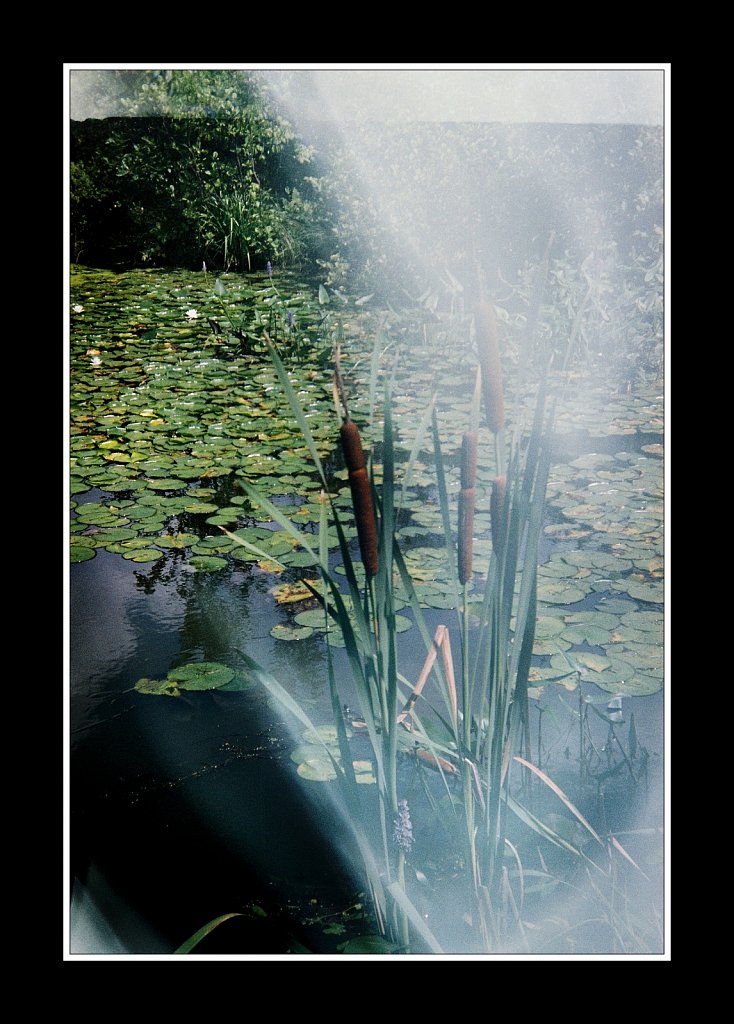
192 796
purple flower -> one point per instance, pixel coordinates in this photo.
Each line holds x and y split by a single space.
290 318
269 268
403 827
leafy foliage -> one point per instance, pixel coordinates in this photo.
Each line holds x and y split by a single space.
201 169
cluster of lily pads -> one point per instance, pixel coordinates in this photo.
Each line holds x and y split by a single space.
169 414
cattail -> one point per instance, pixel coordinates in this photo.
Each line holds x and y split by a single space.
497 510
467 501
489 360
361 495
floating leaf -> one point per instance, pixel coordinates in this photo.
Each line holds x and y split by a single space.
649 592
158 687
113 536
546 627
558 592
368 944
143 555
288 593
200 508
201 675
285 632
318 769
166 484
586 633
601 620
177 541
364 773
81 553
324 734
596 560
207 563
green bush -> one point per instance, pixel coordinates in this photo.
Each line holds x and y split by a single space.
200 169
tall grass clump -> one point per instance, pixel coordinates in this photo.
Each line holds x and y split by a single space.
469 733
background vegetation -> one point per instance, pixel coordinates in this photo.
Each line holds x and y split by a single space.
204 167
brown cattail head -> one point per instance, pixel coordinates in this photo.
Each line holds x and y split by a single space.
489 360
359 484
467 500
497 510
352 446
469 459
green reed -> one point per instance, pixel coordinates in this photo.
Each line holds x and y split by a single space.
475 740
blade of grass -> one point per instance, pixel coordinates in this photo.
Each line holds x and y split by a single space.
277 515
529 819
414 917
417 445
296 408
560 794
202 933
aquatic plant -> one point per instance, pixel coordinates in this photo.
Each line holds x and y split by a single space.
476 740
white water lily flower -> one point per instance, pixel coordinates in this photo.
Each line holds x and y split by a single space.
192 314
78 308
95 361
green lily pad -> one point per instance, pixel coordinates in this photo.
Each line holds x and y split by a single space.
319 769
583 660
559 592
288 593
114 536
143 555
158 687
596 560
649 592
558 569
202 508
315 618
207 563
166 484
201 675
81 553
177 541
616 606
364 773
285 632
546 627
600 620
324 734
586 633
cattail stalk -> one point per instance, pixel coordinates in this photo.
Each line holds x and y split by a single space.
359 484
467 501
489 360
497 512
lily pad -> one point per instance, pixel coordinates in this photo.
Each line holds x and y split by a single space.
596 560
285 632
581 633
201 675
559 592
166 484
143 555
81 553
177 541
653 593
207 563
202 508
317 769
289 593
324 734
158 687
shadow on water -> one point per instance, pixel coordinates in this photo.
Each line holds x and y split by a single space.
184 809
